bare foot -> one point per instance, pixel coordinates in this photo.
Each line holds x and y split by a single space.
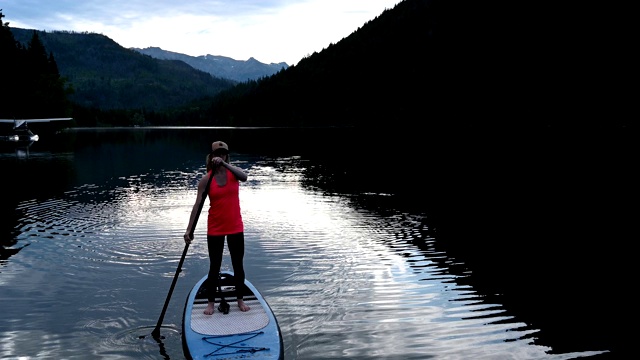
243 307
211 308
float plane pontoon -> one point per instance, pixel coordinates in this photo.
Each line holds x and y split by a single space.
21 132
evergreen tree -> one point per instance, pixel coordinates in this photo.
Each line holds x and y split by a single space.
31 81
10 53
48 98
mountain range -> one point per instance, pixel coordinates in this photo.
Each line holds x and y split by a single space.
219 66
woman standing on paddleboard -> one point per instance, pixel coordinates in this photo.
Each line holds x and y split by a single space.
224 220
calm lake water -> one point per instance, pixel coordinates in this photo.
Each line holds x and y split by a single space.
350 253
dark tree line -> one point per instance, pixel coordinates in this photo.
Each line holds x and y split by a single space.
455 65
32 85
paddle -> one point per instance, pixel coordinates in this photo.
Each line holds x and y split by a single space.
156 332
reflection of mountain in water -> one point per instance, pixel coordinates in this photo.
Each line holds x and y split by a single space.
29 171
538 220
8 252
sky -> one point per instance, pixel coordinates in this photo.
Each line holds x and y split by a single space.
270 31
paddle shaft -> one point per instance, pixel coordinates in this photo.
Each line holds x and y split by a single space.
156 332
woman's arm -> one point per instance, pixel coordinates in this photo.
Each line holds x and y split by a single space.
202 187
239 173
236 171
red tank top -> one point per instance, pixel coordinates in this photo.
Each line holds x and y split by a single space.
224 207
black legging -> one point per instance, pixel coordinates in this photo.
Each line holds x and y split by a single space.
215 244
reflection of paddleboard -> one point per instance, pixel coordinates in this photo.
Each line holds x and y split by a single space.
254 334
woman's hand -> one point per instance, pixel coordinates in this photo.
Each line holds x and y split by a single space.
187 238
215 161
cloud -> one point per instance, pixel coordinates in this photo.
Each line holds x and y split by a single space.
270 31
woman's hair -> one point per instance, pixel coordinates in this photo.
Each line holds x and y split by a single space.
210 156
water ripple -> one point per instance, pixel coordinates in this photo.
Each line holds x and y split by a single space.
345 281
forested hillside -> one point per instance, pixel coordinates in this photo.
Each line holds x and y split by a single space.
454 64
106 76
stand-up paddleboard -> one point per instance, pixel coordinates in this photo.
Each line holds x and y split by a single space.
254 334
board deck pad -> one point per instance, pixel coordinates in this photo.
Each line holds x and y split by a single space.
253 334
234 322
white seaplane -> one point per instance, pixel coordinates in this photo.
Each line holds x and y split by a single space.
21 132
